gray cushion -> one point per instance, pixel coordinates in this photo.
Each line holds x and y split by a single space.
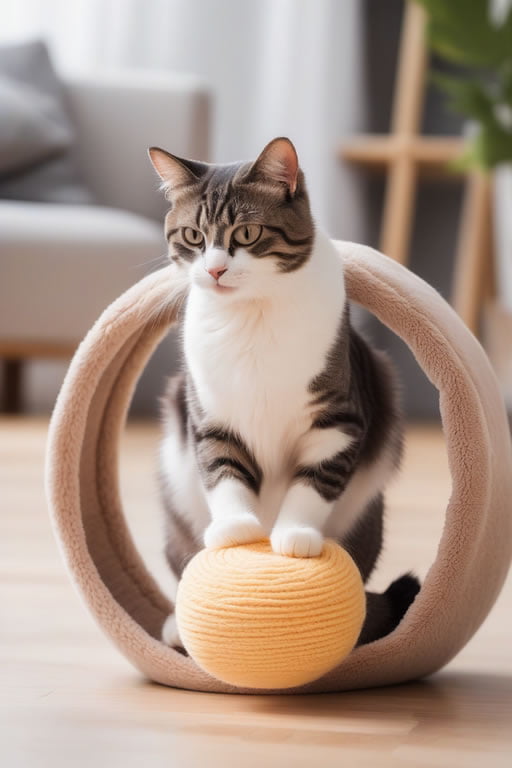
36 134
30 129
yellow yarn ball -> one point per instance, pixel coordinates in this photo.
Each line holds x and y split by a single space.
253 618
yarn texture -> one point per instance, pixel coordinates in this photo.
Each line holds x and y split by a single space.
254 618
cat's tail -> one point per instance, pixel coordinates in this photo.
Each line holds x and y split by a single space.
385 611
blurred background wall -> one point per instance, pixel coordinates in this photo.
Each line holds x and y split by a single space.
274 67
438 206
318 71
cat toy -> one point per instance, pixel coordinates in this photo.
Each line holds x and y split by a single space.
257 619
474 550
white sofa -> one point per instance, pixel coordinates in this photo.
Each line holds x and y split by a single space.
60 265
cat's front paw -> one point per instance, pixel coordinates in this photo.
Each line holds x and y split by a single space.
237 529
297 541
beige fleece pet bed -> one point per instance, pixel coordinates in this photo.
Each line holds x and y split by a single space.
475 548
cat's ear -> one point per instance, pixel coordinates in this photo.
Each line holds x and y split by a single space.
175 171
278 163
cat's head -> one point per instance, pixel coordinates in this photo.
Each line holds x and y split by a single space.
239 228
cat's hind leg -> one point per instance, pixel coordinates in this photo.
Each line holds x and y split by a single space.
169 634
185 509
384 611
182 543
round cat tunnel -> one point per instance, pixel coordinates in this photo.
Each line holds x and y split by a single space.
474 551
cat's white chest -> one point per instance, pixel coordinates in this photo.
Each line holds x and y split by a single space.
252 372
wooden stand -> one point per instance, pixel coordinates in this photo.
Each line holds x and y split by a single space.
405 154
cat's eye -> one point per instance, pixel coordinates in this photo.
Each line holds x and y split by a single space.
192 236
247 234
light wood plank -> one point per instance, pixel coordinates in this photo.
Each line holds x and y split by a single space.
398 213
411 70
429 153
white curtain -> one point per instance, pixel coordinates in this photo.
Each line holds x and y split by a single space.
275 67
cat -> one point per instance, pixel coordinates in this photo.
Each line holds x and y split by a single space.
283 422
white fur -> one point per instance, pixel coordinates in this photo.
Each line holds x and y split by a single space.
237 528
183 481
297 541
252 347
232 508
252 352
300 522
321 444
170 635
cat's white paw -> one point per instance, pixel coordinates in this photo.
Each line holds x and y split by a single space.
297 541
236 529
170 635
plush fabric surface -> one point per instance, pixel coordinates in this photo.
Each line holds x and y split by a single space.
251 617
36 134
475 548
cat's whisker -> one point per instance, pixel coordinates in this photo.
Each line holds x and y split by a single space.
157 261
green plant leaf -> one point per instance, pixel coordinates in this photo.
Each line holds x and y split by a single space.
493 145
462 31
469 97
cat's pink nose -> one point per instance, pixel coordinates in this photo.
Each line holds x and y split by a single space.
217 272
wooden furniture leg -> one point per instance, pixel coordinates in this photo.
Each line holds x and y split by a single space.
12 394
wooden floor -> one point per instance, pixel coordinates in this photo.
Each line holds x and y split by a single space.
69 699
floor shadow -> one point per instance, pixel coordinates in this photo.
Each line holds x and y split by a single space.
447 696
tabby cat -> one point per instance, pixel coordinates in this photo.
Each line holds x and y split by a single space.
283 421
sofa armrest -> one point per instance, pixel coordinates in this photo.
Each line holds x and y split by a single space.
117 117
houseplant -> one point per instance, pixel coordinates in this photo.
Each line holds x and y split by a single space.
475 38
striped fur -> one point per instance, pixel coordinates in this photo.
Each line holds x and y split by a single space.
217 199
